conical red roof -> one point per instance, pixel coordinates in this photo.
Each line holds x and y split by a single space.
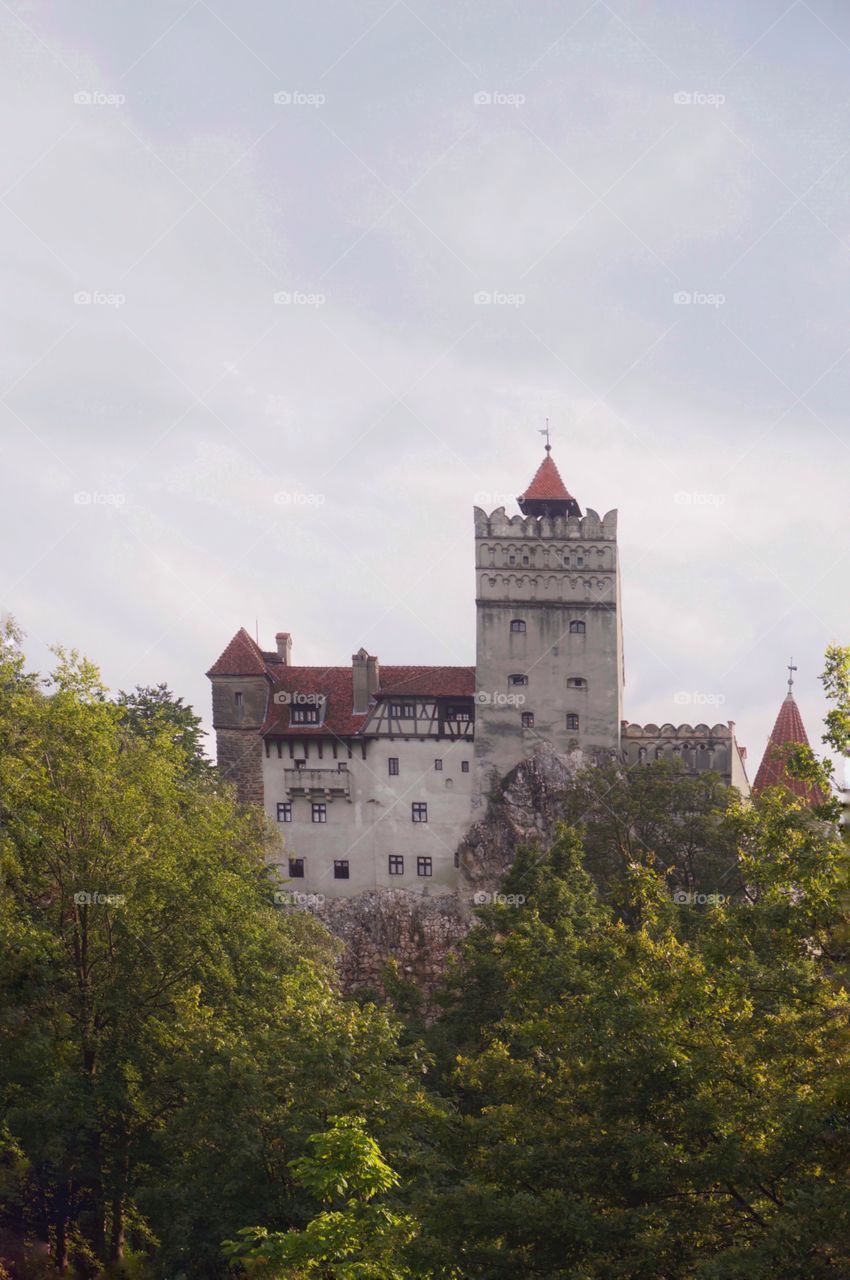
547 485
788 730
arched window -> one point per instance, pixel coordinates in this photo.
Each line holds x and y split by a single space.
576 682
518 625
577 628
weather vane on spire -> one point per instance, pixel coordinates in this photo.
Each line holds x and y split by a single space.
544 431
791 670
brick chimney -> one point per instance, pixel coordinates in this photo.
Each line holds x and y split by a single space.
283 640
366 675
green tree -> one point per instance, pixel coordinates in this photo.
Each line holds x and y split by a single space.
169 1039
153 709
358 1236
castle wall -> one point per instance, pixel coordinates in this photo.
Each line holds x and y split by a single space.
374 820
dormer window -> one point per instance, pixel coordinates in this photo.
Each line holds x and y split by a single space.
305 715
518 626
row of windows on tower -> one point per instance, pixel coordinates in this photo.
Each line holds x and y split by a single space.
568 561
573 721
395 867
573 682
319 811
576 627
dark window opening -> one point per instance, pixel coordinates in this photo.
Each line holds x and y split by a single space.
396 864
464 766
438 765
296 868
577 628
528 719
320 812
572 721
518 624
392 764
419 812
424 866
340 868
284 812
518 680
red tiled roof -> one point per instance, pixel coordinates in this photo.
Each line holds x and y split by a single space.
547 485
336 684
242 657
788 730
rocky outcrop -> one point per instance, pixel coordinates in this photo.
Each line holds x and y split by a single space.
523 809
391 935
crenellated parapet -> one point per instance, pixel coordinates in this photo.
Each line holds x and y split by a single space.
698 747
498 524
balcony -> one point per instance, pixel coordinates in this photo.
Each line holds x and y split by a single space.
322 784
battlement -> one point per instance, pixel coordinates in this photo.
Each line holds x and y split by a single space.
678 732
498 524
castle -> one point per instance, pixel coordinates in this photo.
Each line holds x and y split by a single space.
374 773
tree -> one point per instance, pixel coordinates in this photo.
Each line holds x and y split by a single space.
153 709
358 1236
169 1039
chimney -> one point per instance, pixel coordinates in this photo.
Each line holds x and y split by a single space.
365 678
283 641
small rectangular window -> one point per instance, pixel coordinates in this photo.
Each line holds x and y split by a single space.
320 812
340 868
518 625
419 812
576 682
403 710
392 764
296 868
438 765
464 766
424 866
396 864
572 722
518 680
528 719
525 560
463 714
304 715
342 766
284 812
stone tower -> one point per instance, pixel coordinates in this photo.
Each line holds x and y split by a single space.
549 660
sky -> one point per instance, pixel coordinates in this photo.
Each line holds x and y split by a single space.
290 288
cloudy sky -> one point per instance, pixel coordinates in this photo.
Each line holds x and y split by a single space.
249 378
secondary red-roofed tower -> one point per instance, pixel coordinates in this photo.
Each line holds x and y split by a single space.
788 731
